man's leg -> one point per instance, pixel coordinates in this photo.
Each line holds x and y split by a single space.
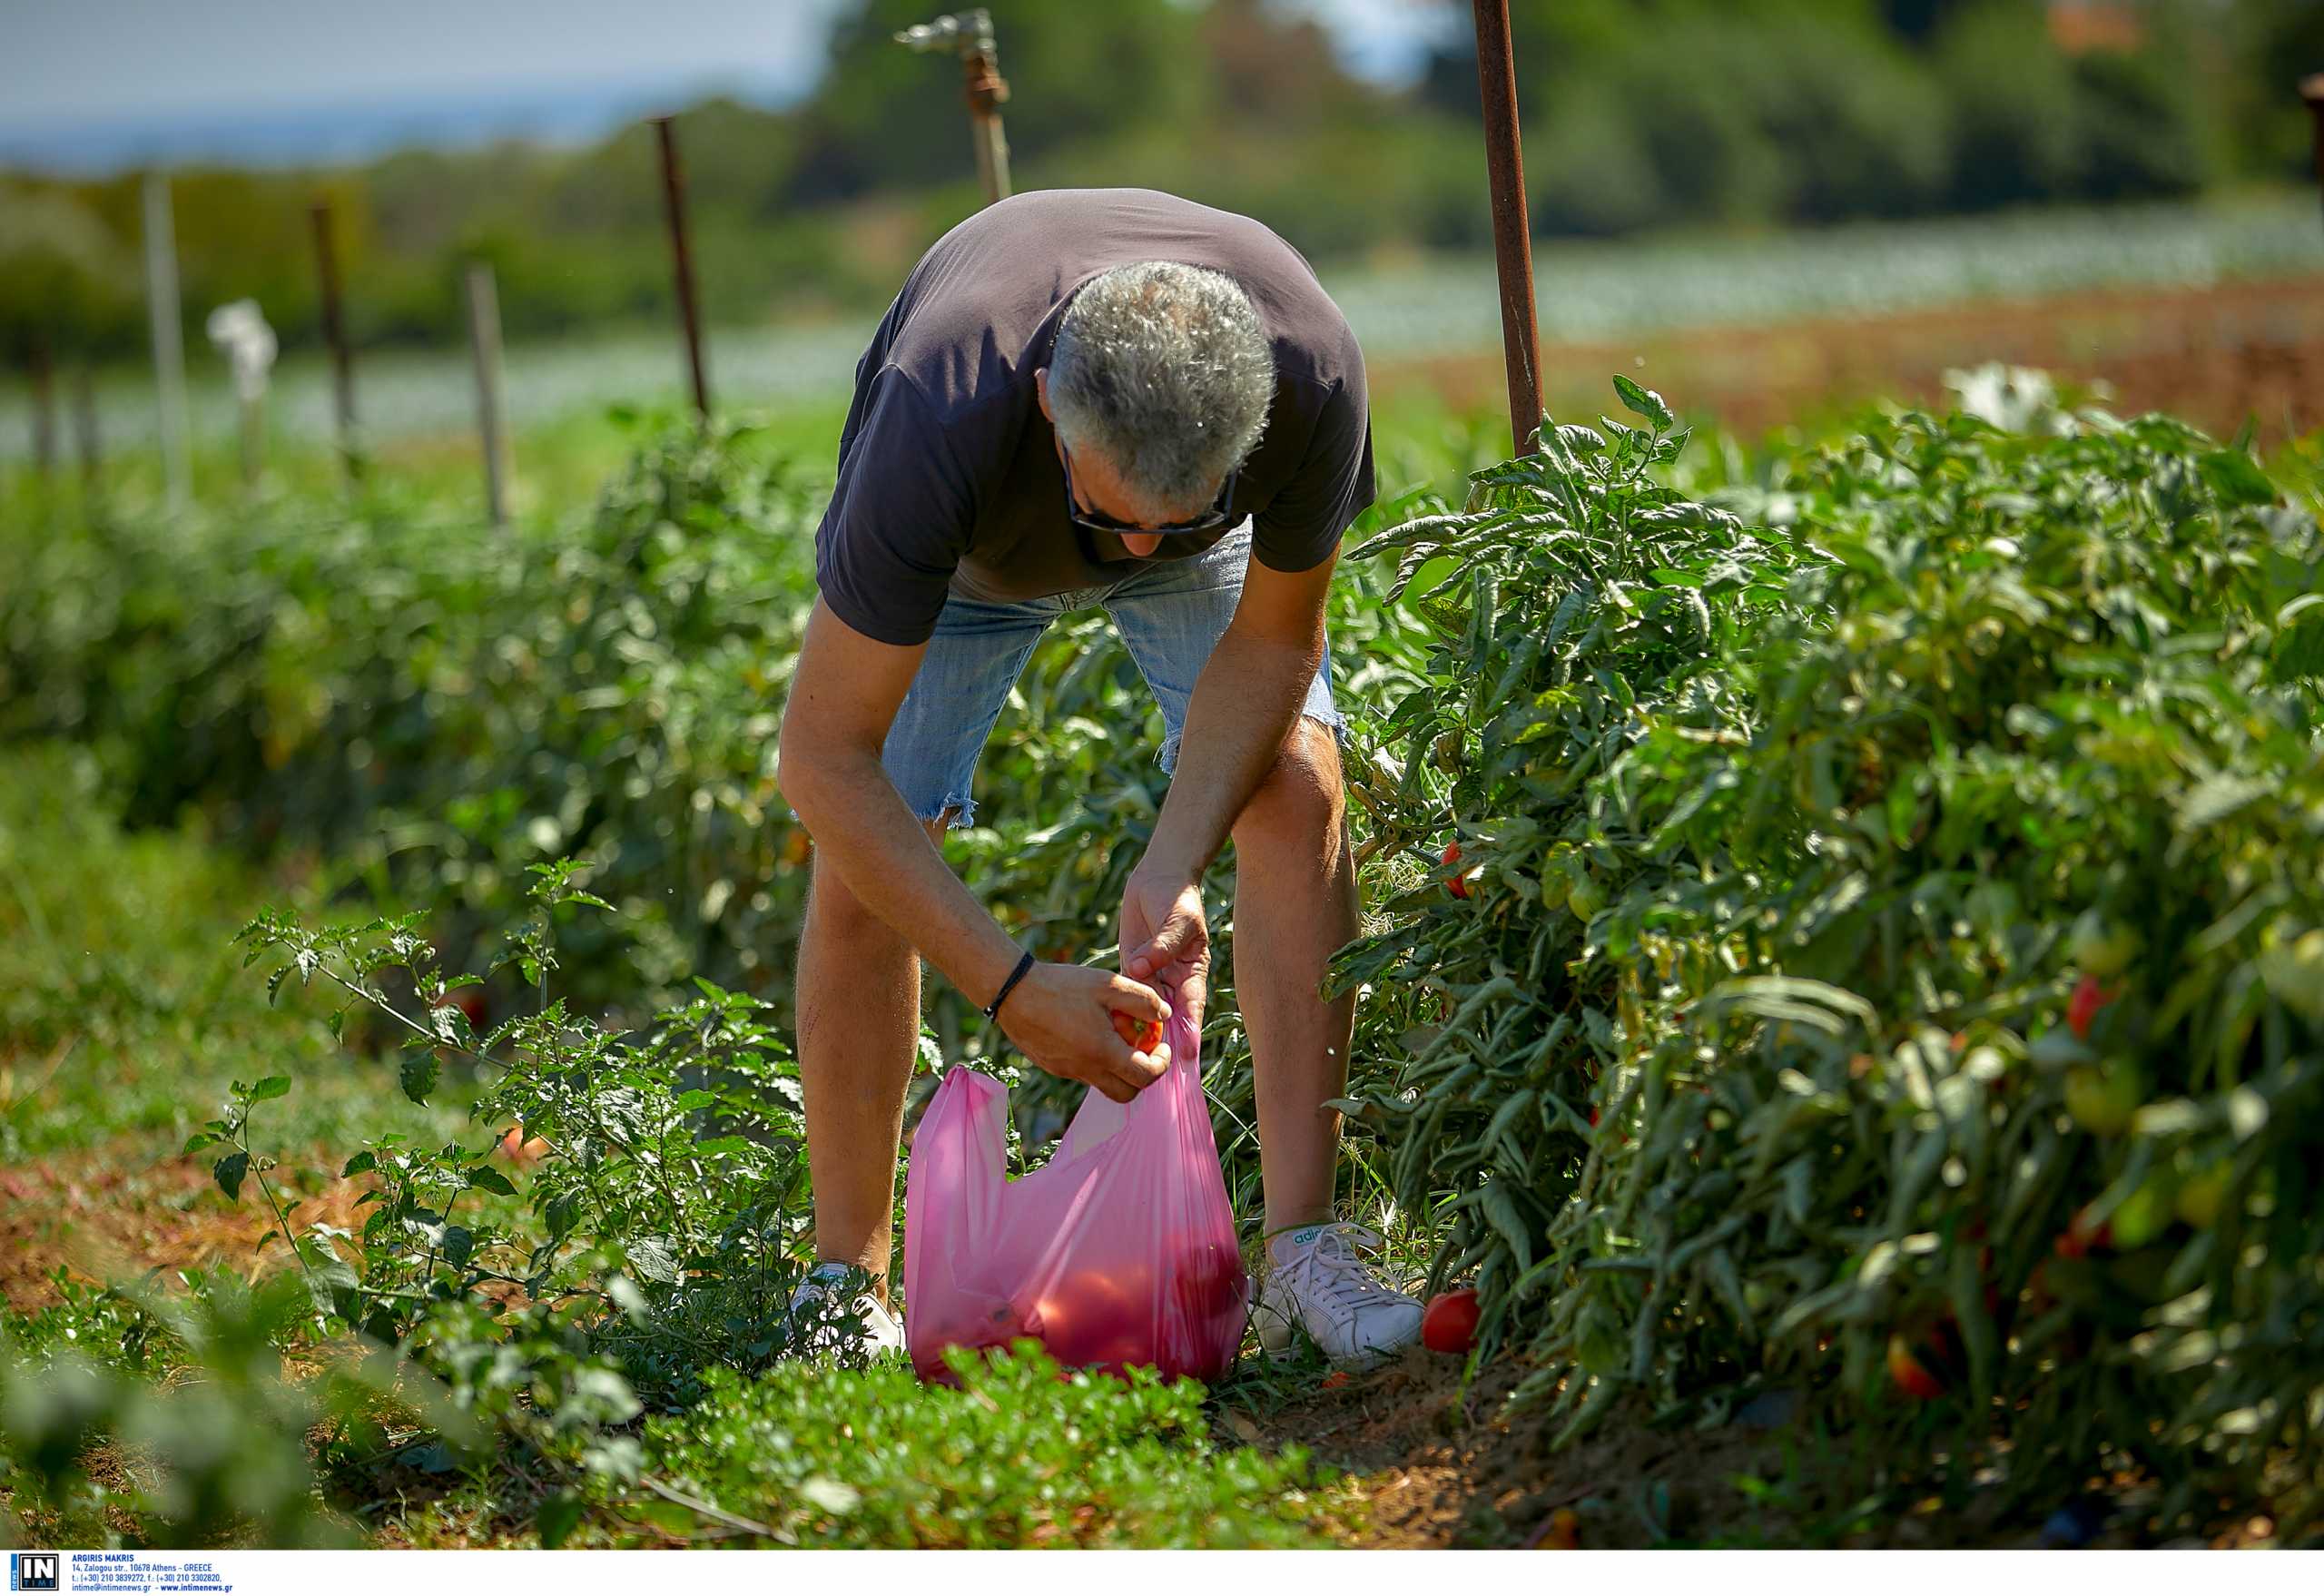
1294 882
859 980
1294 907
859 1030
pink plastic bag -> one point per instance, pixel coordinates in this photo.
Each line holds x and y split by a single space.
1120 1250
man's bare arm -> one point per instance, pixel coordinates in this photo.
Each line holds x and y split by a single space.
844 697
1245 701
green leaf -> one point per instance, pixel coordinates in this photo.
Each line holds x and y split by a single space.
362 1163
229 1172
417 1076
486 1176
2236 477
273 1086
689 1101
2214 800
199 1140
1644 402
651 1257
458 1243
556 1518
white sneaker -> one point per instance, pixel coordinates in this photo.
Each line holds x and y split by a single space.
1319 1284
825 1321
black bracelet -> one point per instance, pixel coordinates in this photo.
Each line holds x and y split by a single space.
992 1009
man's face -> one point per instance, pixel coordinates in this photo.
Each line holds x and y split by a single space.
1097 488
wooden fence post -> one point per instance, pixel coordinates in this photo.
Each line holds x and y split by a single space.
169 340
85 426
334 329
491 404
44 375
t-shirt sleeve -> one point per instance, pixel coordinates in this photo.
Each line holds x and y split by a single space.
1302 525
898 520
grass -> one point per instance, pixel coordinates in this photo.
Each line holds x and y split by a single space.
124 1016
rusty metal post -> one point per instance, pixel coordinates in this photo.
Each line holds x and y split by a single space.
44 375
334 329
969 34
674 196
1513 245
2312 89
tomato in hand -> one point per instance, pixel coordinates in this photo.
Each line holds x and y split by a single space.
1144 1036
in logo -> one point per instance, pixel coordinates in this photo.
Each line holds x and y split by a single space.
34 1571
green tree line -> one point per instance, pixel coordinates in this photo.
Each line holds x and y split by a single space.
1638 113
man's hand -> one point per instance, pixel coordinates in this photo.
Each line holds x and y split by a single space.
1061 1017
1165 940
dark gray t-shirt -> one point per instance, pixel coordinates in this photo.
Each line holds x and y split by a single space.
949 481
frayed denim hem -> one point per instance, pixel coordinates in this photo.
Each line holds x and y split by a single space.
1335 723
963 811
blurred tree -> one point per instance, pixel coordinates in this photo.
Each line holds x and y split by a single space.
2275 44
65 281
2013 97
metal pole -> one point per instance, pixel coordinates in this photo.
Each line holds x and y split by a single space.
1512 244
986 90
168 339
969 33
673 196
491 408
85 426
334 329
2312 89
44 375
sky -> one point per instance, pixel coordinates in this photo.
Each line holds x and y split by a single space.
83 62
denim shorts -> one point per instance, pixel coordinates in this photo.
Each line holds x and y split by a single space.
1170 615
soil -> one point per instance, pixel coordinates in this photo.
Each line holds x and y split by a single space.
2215 355
1436 1464
113 1211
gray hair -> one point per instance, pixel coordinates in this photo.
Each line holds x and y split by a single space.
1164 370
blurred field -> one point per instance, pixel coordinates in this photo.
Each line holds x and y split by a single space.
2078 289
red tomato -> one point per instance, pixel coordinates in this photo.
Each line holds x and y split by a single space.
1143 1035
469 1001
1335 1380
2082 1009
1084 1321
1208 1283
1909 1373
1459 885
521 1148
2082 1238
1450 1324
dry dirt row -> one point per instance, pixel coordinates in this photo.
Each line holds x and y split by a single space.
2214 355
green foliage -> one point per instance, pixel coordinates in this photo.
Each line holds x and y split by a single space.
213 1460
1748 1049
1020 1456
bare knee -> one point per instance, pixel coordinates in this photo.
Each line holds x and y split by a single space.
1300 809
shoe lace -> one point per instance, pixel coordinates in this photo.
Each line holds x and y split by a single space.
1331 1275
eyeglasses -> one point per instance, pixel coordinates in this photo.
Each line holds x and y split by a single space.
1213 519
